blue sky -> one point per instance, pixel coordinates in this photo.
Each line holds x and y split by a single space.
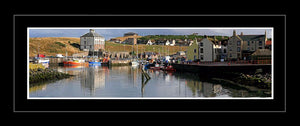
111 33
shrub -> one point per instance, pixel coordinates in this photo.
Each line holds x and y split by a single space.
60 44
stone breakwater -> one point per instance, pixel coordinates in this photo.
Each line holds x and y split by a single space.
39 74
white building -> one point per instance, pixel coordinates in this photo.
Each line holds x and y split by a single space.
206 51
92 41
167 43
173 43
149 42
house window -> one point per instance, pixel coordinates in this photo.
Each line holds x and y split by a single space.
230 49
238 49
248 48
194 57
201 44
195 50
260 47
224 50
260 43
238 43
248 43
84 42
230 55
201 50
201 57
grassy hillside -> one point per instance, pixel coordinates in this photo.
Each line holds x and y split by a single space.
116 47
182 37
124 38
50 46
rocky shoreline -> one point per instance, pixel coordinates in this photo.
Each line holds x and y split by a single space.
39 75
259 80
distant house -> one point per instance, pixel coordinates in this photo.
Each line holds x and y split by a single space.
180 53
191 43
242 46
173 43
167 43
130 34
149 42
92 41
115 40
131 38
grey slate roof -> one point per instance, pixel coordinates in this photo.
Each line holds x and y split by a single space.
91 34
252 37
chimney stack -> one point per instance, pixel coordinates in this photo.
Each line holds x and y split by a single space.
242 33
234 33
92 30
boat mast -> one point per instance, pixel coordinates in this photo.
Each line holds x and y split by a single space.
38 50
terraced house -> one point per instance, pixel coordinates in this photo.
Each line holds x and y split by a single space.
240 47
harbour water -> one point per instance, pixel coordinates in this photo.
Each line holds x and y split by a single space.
126 82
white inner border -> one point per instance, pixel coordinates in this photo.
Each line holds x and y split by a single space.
187 98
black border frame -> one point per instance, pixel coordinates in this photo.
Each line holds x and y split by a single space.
278 104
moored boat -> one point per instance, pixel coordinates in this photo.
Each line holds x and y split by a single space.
134 63
105 61
94 62
156 67
74 62
43 60
170 68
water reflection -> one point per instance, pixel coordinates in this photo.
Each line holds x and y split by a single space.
92 78
127 81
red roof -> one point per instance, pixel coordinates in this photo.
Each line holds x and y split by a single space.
268 42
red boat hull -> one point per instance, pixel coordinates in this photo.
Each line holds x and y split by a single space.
72 63
170 68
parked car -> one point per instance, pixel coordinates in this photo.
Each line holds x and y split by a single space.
59 55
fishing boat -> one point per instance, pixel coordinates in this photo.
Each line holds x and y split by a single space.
156 67
94 62
74 62
43 60
170 68
134 63
105 61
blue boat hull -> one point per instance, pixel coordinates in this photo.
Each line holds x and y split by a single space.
94 63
